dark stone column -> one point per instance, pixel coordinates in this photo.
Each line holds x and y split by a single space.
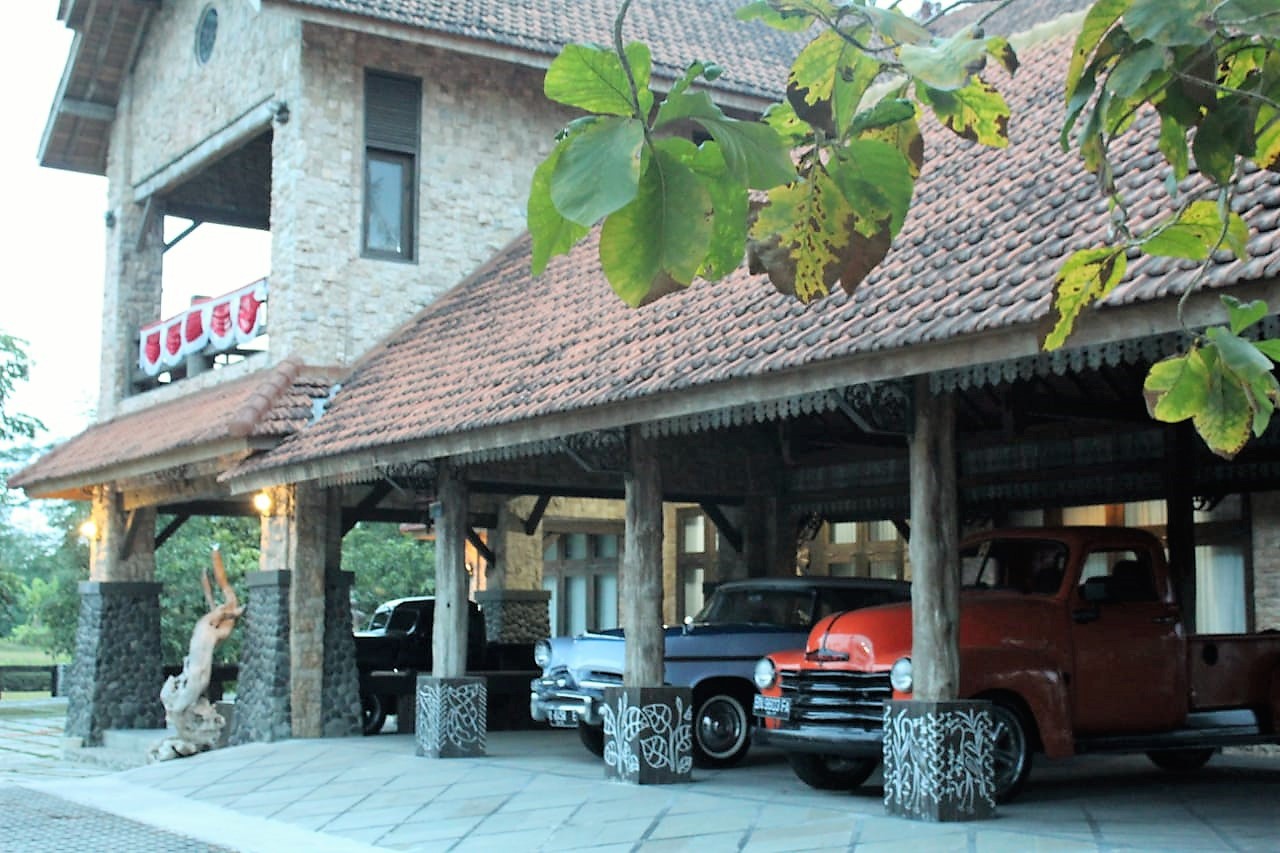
262 691
117 672
340 695
938 760
451 717
515 615
648 734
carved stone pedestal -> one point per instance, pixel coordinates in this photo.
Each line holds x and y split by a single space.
648 734
938 760
451 714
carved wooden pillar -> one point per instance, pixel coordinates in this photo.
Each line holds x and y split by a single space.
629 720
937 751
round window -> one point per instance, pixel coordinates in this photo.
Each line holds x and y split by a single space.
206 34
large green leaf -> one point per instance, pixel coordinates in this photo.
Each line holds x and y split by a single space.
1220 137
1088 275
976 111
1098 21
598 171
1196 231
1177 388
1249 368
1225 420
831 71
948 63
663 235
756 154
800 236
788 17
1173 145
1170 22
884 114
876 181
906 137
592 78
729 200
895 26
1259 17
1133 71
552 234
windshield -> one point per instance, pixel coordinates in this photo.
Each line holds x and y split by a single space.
1032 566
784 608
397 619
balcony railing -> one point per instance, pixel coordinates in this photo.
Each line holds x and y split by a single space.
187 342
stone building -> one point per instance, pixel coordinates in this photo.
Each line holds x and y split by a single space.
520 399
388 154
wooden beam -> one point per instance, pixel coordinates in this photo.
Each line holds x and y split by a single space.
449 633
641 596
935 549
87 109
535 516
731 534
480 546
1180 454
171 528
130 535
357 513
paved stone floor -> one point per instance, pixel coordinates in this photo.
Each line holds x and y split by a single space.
542 791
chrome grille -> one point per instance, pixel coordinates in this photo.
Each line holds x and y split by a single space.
826 697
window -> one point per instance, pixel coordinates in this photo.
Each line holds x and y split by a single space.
580 570
392 115
695 560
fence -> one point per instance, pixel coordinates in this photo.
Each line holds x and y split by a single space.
50 679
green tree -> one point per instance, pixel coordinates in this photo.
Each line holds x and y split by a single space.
387 564
15 367
839 156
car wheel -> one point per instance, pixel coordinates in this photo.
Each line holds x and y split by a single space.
1180 760
831 772
1011 757
372 713
721 731
592 738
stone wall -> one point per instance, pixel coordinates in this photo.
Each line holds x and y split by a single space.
116 674
340 695
1265 512
262 692
515 616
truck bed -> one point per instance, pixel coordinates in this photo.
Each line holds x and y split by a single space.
1235 671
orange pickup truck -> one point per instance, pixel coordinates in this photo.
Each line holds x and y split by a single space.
1075 636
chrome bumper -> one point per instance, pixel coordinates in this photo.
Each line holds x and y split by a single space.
546 702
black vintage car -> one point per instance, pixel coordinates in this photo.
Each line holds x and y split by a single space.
396 646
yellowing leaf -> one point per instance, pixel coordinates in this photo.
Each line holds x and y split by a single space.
948 63
1225 420
801 234
1177 387
832 72
1088 275
1098 21
976 111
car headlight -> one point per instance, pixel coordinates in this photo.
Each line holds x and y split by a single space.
542 653
900 675
766 674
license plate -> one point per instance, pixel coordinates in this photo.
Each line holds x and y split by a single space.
772 706
563 719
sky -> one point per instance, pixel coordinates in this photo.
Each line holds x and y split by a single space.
53 233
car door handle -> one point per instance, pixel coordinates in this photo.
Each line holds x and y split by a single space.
1166 620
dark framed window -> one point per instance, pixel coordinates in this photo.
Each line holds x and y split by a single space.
580 570
392 122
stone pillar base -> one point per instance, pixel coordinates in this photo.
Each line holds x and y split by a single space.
648 734
451 713
938 760
262 691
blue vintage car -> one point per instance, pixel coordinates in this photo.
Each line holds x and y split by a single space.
714 654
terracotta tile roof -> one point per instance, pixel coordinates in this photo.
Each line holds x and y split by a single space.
1014 18
978 255
254 411
755 57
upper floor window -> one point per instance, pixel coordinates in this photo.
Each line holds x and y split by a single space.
392 116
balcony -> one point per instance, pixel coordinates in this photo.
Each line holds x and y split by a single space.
213 332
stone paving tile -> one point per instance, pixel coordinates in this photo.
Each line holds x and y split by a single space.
1018 842
686 824
808 835
531 839
330 806
503 821
385 817
423 831
708 842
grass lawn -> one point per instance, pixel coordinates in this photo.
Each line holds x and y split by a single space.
14 654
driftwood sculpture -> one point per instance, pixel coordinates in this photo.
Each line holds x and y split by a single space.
197 724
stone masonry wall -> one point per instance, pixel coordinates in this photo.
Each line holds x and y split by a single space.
262 691
485 126
1265 508
116 674
340 697
515 616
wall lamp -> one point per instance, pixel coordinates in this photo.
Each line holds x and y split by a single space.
262 503
89 530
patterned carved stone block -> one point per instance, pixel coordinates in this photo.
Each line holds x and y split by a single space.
938 760
451 713
648 734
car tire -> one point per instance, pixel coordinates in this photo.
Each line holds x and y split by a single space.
721 731
831 772
1011 759
373 713
1181 760
592 738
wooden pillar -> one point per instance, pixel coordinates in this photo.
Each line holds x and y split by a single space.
641 593
1180 449
935 548
449 634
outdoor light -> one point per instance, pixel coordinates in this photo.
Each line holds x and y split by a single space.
262 502
89 530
